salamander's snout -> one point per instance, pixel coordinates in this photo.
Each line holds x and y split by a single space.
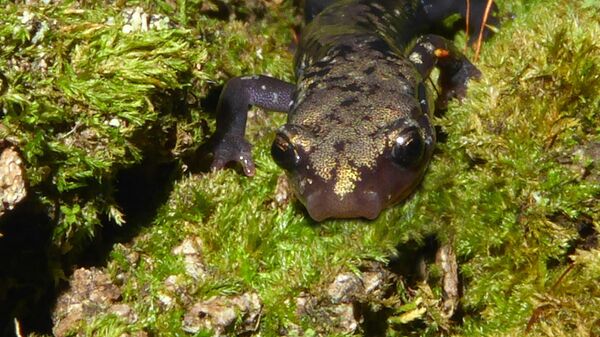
323 205
365 197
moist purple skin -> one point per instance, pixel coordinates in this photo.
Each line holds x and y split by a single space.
358 137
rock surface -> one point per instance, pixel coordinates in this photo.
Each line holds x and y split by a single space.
13 186
339 310
90 293
220 314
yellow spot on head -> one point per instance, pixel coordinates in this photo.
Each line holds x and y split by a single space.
347 176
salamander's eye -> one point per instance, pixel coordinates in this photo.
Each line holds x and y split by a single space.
284 153
409 148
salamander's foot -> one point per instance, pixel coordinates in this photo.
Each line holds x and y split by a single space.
454 83
229 149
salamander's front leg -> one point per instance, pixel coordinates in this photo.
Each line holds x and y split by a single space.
232 111
455 69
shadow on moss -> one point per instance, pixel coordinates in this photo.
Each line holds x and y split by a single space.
28 270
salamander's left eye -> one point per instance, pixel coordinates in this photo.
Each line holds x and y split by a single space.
284 153
409 148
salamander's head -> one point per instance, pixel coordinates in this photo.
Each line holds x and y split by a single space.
354 168
358 136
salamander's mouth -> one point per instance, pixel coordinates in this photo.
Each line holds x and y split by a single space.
322 205
375 190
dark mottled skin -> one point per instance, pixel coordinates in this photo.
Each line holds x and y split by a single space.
358 136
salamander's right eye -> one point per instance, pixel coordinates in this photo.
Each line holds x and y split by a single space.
284 153
409 148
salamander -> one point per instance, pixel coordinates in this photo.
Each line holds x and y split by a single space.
358 136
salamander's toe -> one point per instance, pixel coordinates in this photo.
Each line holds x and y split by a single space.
454 85
233 149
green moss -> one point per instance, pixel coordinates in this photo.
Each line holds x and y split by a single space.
536 106
85 99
